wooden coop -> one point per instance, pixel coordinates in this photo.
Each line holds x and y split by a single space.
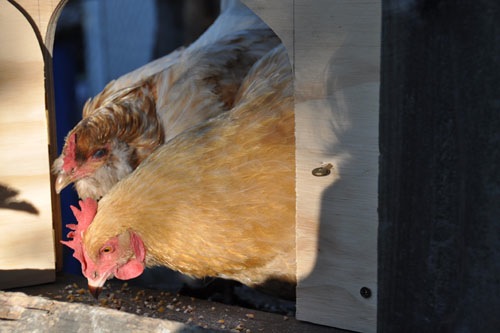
335 48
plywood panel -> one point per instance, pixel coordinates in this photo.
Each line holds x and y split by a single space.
335 46
26 231
336 223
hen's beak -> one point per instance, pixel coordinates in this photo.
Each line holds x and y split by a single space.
95 291
96 282
63 180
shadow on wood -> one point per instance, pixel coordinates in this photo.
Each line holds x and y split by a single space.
10 278
8 201
337 84
439 254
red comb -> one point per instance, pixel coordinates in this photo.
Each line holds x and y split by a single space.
69 153
84 217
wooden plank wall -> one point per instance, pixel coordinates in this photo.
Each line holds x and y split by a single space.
336 52
26 220
439 237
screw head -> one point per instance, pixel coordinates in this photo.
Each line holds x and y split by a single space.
323 170
365 292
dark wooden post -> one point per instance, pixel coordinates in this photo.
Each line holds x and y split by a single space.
439 185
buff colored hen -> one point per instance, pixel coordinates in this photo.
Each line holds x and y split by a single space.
217 200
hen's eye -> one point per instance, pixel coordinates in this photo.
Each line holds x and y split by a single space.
107 249
99 153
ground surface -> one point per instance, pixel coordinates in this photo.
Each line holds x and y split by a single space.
153 303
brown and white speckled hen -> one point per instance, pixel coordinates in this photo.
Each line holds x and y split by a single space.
141 110
217 200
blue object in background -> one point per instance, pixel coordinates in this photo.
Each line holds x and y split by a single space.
67 116
97 42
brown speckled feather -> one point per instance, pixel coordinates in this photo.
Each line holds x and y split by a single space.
196 84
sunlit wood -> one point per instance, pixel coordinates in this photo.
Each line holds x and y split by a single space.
26 221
